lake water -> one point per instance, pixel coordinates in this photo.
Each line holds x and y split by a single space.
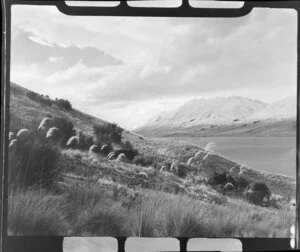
272 154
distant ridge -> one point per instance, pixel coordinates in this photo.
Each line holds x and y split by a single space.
228 113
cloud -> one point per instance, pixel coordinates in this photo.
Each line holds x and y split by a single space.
51 57
212 55
98 62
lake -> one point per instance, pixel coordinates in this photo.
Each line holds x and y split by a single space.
272 154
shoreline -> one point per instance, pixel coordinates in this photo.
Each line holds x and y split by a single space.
187 140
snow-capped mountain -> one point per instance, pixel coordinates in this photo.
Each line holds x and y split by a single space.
219 110
224 111
282 109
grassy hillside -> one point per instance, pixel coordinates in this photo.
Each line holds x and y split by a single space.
88 194
26 112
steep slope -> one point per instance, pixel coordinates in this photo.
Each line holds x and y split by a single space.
24 111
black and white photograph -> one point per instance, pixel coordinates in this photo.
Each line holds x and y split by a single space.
152 126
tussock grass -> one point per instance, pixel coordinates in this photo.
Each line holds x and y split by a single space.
83 209
241 219
35 213
160 214
91 211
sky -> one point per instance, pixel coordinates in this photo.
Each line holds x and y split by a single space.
127 70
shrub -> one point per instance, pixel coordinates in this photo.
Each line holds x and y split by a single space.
255 197
261 187
63 104
127 145
66 129
107 133
231 180
144 160
45 100
218 179
33 162
259 191
182 170
85 141
242 183
33 95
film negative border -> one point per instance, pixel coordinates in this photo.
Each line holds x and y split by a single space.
185 10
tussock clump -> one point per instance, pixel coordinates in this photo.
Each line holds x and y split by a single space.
106 149
35 213
94 149
72 142
13 144
111 156
52 133
45 124
142 175
162 215
191 161
23 134
102 220
34 162
11 136
228 187
92 212
121 158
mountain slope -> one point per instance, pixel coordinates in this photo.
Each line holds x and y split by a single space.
282 109
230 116
218 110
24 111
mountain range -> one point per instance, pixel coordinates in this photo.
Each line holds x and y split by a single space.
223 112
